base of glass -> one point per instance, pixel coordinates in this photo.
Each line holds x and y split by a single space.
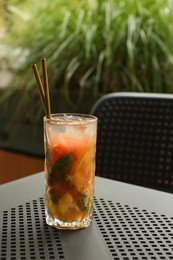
59 224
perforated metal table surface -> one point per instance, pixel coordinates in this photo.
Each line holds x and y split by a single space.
130 222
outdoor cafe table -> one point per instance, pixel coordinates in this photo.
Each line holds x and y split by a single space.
129 222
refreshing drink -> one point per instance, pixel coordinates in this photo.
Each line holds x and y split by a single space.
70 144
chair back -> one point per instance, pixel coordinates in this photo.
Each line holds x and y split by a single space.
135 139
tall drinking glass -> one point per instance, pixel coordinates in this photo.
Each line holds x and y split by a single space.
70 146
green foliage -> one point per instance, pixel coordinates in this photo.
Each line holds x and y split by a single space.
98 46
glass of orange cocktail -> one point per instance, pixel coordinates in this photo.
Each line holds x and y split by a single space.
70 146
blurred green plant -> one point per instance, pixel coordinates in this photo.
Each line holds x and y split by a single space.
95 46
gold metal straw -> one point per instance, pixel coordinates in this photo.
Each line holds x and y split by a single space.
43 88
40 86
46 87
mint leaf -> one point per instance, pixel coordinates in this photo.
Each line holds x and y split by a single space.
60 168
53 196
86 203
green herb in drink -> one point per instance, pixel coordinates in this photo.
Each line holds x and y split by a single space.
60 168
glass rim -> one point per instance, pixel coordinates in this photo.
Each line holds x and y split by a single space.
55 120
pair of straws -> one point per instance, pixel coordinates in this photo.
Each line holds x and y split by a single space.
43 87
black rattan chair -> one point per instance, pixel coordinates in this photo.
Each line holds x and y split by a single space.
135 139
